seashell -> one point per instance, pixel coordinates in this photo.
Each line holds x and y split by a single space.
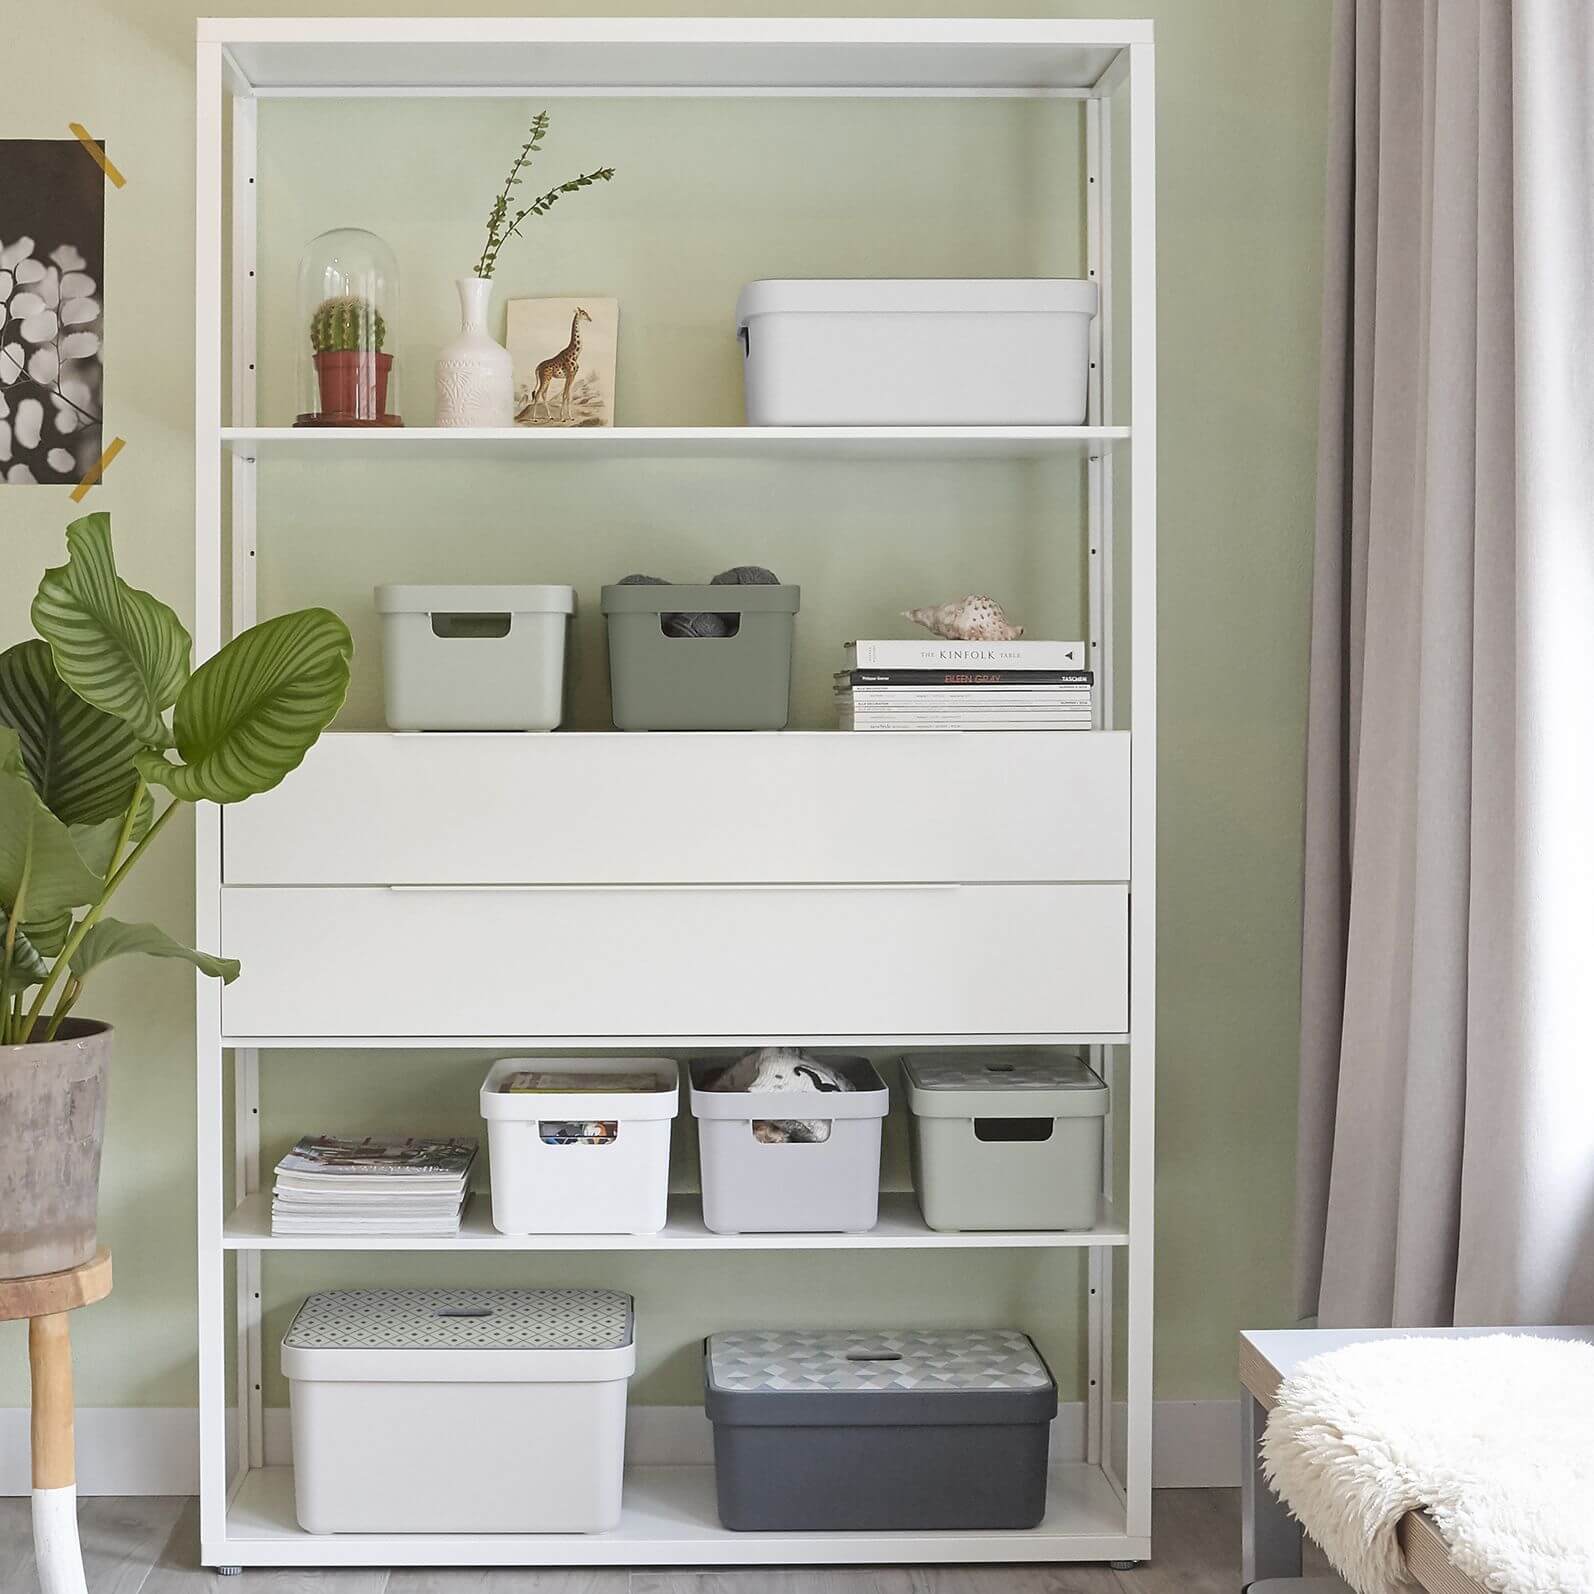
970 619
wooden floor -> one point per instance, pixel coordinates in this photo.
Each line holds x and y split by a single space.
150 1546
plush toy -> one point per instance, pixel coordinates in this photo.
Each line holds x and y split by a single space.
781 1069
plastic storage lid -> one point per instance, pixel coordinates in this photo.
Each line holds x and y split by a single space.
1002 1085
475 600
877 1376
462 1336
585 1098
917 296
640 598
868 1099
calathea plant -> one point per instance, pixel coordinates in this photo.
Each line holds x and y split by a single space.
88 779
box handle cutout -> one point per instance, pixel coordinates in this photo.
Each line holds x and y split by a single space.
577 1132
874 1356
477 626
1013 1130
733 624
999 1068
463 1311
821 1131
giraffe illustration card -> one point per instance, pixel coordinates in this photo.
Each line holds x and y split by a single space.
564 352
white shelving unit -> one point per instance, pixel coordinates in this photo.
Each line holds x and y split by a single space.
1059 894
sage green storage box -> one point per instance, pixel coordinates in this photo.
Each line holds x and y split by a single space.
1005 1140
474 658
740 682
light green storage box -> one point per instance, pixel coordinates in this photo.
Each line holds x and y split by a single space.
1005 1140
740 682
458 658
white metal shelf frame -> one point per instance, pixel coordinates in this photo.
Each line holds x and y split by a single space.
243 60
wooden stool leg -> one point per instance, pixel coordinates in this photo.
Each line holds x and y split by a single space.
55 1540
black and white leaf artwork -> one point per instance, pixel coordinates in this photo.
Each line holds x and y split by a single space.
52 310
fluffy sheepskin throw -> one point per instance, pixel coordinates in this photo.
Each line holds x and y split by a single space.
1493 1436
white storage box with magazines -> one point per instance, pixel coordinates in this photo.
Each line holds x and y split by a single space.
580 1145
459 1410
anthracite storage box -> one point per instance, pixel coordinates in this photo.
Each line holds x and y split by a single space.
877 1430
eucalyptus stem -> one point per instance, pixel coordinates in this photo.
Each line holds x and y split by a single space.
63 963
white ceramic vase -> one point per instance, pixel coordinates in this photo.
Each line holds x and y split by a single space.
475 375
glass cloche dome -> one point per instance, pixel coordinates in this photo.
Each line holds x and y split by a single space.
348 316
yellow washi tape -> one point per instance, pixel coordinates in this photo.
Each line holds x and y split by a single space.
98 153
96 470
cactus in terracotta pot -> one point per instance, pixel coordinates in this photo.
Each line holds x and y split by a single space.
347 333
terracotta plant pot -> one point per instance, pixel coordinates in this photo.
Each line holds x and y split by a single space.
52 1128
353 386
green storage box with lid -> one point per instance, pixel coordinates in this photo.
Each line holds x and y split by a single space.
1005 1140
738 682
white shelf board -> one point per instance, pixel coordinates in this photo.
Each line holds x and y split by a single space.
900 1228
670 1519
679 1043
911 443
690 55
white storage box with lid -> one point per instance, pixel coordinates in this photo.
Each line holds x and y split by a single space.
1005 1140
459 1410
916 351
829 1186
584 1159
474 658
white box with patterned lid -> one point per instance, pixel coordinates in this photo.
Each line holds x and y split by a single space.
459 1410
1005 1139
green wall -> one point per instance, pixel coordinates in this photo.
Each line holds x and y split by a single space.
702 204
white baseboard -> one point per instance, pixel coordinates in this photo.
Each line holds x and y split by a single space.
155 1449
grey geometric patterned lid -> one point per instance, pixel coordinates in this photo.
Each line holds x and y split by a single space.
463 1319
831 1361
1000 1071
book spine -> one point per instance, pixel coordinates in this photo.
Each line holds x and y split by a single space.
962 679
911 653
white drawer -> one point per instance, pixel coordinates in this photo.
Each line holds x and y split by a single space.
668 961
379 809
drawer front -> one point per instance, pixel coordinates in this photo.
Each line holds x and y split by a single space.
734 961
377 809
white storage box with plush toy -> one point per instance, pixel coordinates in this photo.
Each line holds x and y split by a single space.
459 1410
580 1145
788 1143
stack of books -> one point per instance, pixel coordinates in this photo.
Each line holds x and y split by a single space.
372 1184
932 685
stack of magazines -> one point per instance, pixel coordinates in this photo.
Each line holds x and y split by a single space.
372 1184
964 686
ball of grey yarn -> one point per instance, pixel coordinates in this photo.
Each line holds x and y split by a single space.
642 581
695 625
746 576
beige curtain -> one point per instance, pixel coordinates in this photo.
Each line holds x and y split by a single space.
1446 1157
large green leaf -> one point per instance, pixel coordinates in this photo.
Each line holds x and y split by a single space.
110 938
28 966
249 715
118 648
37 856
48 936
10 751
79 759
